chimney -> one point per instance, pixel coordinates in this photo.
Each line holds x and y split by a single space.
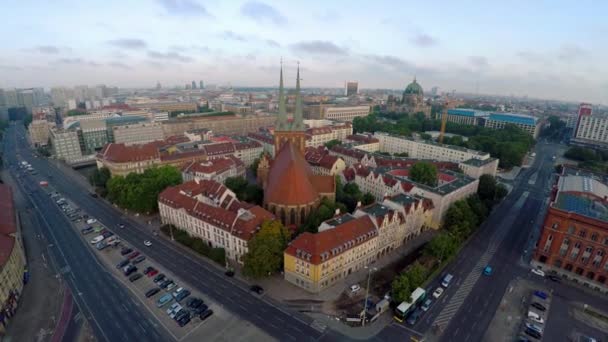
337 212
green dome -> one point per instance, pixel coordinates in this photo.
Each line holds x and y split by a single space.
413 88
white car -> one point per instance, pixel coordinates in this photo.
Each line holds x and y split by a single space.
91 221
97 239
173 307
438 292
538 272
148 243
177 292
355 288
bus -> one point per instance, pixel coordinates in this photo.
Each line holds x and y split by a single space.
405 308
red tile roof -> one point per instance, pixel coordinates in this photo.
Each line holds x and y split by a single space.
7 244
219 148
215 165
120 153
320 247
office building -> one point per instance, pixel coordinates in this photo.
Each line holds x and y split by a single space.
591 130
39 132
345 113
12 258
220 124
138 133
463 116
193 85
201 85
351 89
66 145
574 236
186 107
210 211
94 135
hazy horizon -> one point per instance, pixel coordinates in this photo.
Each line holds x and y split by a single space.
520 48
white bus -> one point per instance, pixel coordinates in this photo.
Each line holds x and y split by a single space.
405 308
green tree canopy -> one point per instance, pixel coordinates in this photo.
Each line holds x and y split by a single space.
368 198
251 193
442 246
424 172
332 143
265 255
401 288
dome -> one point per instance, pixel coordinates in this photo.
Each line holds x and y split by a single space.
413 89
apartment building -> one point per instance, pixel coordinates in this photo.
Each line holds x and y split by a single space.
66 145
319 136
219 124
138 133
248 151
323 163
591 130
12 258
186 107
208 210
345 113
574 236
217 169
39 132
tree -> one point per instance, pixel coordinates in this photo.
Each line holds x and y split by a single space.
401 288
254 166
100 177
244 191
442 246
425 136
332 143
236 184
401 154
460 220
368 199
416 274
424 172
265 255
76 112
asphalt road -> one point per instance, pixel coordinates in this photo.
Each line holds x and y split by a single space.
109 307
205 277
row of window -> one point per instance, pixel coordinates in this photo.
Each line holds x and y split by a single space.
582 233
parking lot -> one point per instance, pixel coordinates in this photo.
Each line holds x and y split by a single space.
184 317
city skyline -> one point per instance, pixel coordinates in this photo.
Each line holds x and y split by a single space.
525 49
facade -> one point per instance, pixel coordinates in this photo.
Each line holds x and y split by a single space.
574 238
323 163
66 145
39 132
591 130
350 242
138 133
352 89
224 124
248 151
94 135
320 135
291 190
189 107
217 169
12 258
492 120
345 113
210 211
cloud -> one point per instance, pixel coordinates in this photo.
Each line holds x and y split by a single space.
319 47
170 56
47 49
478 61
230 35
119 65
571 52
10 67
184 8
272 43
390 61
128 43
261 13
194 48
423 40
76 61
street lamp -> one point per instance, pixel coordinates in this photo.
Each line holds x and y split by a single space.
369 275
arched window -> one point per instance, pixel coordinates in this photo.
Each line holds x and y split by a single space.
292 219
302 214
283 216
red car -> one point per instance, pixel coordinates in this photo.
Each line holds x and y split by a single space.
152 273
133 255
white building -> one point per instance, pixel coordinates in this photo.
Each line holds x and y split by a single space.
138 133
66 145
217 169
345 113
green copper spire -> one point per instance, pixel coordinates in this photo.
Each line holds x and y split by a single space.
282 117
298 119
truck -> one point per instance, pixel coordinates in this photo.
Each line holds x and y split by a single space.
405 308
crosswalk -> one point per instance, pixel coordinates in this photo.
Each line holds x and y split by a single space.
465 288
318 326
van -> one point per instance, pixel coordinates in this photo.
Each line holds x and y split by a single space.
446 280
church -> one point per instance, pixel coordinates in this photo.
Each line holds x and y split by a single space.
412 101
291 191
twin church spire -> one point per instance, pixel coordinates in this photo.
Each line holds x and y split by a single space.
298 119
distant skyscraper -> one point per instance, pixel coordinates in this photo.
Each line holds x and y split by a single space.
352 88
158 87
434 91
193 85
201 84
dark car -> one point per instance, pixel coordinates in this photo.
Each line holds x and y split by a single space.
87 230
133 255
183 294
125 251
200 309
159 278
130 270
138 259
195 302
165 283
206 314
148 270
182 313
533 333
122 264
151 292
135 277
107 234
540 294
229 273
554 278
539 306
183 321
414 316
257 289
94 195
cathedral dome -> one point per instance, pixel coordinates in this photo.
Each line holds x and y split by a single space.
413 89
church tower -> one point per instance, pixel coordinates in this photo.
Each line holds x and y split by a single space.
294 132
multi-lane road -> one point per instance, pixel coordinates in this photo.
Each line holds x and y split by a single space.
202 275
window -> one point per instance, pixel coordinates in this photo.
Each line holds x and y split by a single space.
594 237
582 233
571 230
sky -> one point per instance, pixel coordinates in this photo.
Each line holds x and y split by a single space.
544 49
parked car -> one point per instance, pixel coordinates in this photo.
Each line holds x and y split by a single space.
135 276
153 273
129 270
538 306
173 307
426 305
170 286
257 289
179 289
166 284
487 271
194 302
229 273
182 295
181 314
541 295
122 263
538 272
533 333
162 301
159 278
200 309
121 225
139 259
86 230
184 320
554 278
97 239
151 292
101 245
91 221
353 288
133 255
148 269
438 292
125 251
204 315
176 312
534 317
414 316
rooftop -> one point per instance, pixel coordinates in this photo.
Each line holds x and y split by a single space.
467 112
514 118
583 204
478 162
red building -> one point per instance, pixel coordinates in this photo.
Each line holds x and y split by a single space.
574 238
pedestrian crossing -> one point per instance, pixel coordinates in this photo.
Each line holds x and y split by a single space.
318 326
465 288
